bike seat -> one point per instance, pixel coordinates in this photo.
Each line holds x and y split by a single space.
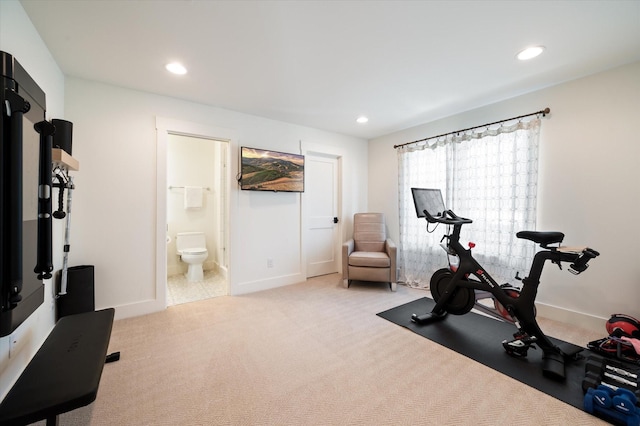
542 238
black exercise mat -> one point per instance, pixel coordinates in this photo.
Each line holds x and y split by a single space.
480 338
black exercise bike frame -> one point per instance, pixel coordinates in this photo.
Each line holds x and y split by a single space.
521 308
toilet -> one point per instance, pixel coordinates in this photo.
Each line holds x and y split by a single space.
192 250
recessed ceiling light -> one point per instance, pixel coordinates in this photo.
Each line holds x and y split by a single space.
362 119
176 68
530 53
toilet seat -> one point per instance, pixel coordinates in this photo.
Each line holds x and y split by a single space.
194 251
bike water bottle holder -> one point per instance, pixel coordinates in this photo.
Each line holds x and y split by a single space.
448 250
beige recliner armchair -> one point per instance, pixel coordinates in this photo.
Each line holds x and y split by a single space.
370 255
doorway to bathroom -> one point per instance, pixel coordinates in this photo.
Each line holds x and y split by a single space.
196 205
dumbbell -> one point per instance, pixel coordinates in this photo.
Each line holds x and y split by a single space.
599 363
619 405
625 401
599 369
620 399
593 380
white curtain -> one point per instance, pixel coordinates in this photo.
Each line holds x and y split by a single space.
490 177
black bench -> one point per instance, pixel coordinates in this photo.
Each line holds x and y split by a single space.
65 372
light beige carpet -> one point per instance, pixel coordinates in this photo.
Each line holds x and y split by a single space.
313 353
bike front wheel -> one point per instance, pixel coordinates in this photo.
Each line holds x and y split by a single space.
460 301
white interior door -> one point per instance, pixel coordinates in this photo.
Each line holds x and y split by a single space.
321 206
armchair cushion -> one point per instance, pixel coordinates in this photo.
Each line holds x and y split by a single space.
369 259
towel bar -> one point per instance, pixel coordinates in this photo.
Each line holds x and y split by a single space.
178 187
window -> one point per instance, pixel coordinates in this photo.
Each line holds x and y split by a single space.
490 177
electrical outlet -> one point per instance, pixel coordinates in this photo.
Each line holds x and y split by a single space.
269 263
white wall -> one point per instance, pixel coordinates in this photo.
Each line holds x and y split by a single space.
19 38
588 186
115 198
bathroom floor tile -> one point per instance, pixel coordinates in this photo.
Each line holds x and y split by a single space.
179 290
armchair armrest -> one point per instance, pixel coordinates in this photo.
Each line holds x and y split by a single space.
392 251
347 249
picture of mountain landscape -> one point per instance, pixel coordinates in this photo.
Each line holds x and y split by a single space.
263 170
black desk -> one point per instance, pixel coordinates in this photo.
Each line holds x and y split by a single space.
65 372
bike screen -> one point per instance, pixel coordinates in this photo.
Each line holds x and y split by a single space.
429 200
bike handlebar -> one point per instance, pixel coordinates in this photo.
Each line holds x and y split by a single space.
448 217
581 264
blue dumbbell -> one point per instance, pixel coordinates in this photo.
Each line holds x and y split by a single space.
598 398
617 406
624 401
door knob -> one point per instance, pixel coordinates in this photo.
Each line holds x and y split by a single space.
335 220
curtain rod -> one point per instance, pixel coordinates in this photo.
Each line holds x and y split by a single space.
544 112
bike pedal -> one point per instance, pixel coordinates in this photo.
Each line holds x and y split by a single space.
514 351
519 347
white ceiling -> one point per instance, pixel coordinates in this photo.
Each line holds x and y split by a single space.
324 63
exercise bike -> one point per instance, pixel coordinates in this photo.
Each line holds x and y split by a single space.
465 284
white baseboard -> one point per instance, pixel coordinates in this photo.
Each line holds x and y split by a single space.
578 319
260 285
140 308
